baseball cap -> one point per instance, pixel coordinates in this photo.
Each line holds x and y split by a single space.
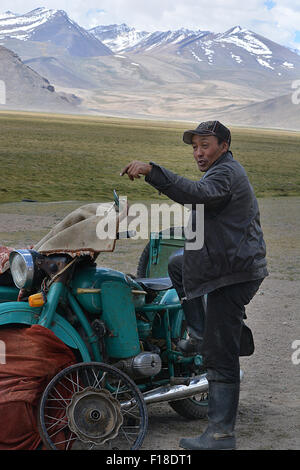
215 128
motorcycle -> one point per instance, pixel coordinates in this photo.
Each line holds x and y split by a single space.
122 330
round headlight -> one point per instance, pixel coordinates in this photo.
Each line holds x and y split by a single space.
22 268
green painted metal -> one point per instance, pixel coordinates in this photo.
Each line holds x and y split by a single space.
68 335
144 329
160 250
170 297
93 277
19 312
167 328
160 307
49 309
8 293
170 302
119 316
91 336
22 313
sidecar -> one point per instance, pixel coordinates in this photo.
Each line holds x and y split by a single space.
100 346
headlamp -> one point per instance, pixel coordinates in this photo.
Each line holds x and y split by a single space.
22 267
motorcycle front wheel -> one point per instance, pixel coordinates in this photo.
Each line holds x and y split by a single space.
82 408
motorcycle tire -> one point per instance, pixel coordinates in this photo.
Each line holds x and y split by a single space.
143 262
144 258
191 408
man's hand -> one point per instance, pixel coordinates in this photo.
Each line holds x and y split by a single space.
135 169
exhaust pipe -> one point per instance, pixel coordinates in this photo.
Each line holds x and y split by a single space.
197 384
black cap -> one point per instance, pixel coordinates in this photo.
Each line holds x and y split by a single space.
215 128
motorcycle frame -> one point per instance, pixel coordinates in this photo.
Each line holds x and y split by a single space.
47 316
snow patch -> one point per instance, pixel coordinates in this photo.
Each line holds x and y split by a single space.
288 65
196 57
124 40
207 51
264 63
236 58
20 26
247 42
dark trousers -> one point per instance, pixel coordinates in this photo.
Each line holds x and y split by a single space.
224 314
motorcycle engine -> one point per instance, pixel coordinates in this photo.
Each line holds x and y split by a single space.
144 364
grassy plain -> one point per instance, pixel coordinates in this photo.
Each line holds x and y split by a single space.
56 157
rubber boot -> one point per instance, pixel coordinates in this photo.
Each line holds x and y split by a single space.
223 401
195 319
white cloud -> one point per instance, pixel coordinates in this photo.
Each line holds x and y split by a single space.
278 23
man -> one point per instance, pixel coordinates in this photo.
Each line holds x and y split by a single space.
229 268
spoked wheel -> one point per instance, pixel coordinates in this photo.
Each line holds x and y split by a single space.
92 406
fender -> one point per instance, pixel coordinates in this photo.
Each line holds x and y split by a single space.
22 313
8 293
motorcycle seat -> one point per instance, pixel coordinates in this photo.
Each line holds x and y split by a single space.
155 284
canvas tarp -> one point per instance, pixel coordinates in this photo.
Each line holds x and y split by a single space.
89 229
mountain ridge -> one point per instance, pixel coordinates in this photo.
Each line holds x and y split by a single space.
54 26
27 90
171 74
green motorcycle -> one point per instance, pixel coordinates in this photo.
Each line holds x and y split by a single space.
122 330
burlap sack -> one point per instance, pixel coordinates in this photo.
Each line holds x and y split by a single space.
89 229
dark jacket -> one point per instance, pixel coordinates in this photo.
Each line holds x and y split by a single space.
234 249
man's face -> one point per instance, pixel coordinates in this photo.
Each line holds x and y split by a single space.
206 150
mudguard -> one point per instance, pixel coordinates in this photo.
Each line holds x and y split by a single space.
8 293
22 313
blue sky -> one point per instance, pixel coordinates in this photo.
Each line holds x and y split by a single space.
278 20
270 4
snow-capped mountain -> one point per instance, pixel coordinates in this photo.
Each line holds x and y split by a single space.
236 49
118 37
162 39
239 48
122 38
7 14
158 73
52 26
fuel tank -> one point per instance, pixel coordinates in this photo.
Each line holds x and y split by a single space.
114 300
92 277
